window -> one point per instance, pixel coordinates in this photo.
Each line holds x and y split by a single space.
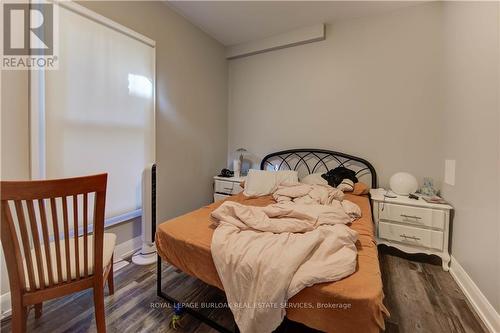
96 112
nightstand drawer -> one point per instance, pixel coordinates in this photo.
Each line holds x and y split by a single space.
219 197
227 187
427 217
411 235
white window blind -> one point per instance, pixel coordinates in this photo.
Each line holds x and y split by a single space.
96 112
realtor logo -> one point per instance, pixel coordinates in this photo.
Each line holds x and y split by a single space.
28 36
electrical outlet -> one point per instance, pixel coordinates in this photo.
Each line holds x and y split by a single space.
449 172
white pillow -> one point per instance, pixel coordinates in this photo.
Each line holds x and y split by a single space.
261 182
314 179
347 185
286 177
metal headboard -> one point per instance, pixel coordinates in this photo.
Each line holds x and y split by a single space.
308 161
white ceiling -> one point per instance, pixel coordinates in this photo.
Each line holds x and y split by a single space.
235 22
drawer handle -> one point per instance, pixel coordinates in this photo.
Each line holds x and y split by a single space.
411 216
409 237
228 188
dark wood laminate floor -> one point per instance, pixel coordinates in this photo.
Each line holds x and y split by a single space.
420 296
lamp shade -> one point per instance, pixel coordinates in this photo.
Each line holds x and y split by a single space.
403 183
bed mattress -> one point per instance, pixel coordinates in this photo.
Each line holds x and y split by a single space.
353 304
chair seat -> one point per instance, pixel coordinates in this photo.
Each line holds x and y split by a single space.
108 249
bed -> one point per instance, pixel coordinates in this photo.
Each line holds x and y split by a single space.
352 304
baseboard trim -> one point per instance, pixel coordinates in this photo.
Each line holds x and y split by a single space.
127 248
123 250
480 303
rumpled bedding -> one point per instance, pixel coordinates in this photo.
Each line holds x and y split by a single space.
308 194
266 255
316 194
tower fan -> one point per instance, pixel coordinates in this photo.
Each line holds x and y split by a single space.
147 254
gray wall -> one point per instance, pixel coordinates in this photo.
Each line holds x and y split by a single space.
191 110
471 124
369 89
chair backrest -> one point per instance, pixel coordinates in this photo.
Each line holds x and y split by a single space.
31 235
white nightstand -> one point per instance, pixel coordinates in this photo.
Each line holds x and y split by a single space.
225 187
412 226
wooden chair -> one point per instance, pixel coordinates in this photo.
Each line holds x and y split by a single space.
46 260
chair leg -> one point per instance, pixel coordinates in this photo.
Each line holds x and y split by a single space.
111 283
19 314
38 310
99 307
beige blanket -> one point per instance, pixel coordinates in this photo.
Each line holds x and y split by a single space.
316 194
308 194
265 255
